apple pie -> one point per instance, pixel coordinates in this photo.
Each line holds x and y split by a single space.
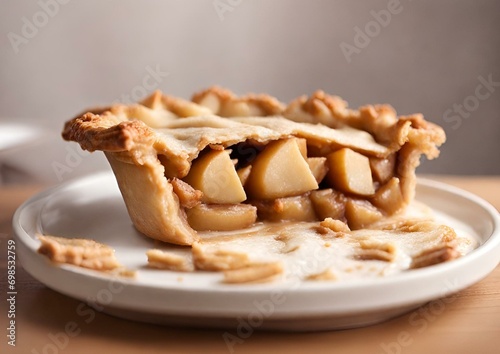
226 163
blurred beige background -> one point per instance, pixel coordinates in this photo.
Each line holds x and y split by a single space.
441 58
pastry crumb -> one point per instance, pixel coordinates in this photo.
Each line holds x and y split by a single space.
335 225
324 275
160 259
262 272
124 272
217 260
80 252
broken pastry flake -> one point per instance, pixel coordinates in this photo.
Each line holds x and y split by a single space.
373 250
405 225
168 260
335 225
80 252
435 255
254 273
124 272
188 196
217 260
327 274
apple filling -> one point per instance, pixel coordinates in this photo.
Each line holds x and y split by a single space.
231 189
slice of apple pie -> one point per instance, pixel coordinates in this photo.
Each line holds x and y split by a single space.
223 162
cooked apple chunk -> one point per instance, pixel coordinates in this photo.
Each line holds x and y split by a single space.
214 175
383 169
349 171
280 170
302 143
388 197
328 203
221 217
299 208
318 167
361 213
243 174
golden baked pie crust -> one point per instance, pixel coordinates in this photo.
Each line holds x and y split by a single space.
149 145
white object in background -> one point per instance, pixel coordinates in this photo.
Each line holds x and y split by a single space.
12 135
30 154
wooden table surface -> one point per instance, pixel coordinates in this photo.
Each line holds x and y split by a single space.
468 322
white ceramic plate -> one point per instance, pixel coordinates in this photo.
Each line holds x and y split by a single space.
93 207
